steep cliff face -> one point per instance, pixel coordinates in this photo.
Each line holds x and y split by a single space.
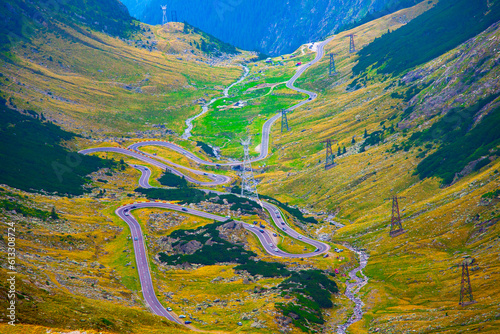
267 25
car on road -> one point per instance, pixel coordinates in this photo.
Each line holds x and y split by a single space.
284 228
261 231
205 174
187 322
282 223
136 239
275 235
309 99
276 250
133 207
317 250
126 213
184 209
300 237
270 245
182 316
217 165
169 309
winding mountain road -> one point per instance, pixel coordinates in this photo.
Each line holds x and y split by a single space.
265 237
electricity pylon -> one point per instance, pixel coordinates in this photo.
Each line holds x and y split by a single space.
164 18
329 159
248 183
465 287
284 121
396 227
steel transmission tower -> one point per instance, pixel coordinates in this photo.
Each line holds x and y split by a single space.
332 69
329 160
284 121
173 16
465 287
164 10
396 227
352 47
248 183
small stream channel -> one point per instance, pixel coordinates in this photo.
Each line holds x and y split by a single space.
353 288
204 109
357 283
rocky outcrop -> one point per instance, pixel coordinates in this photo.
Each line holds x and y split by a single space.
188 247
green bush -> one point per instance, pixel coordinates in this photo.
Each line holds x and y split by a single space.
207 149
313 290
24 210
171 180
220 250
433 33
461 147
33 159
183 195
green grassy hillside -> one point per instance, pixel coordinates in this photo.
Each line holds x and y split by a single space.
409 135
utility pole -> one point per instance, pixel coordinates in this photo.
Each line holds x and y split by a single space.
329 160
284 121
248 183
332 70
173 16
396 227
352 47
164 10
465 287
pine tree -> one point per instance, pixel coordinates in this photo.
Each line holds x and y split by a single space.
53 214
339 152
344 150
353 141
365 134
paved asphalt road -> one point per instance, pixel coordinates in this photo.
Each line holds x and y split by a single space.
265 237
217 179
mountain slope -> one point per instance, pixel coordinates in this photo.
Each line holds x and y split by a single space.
268 26
93 83
391 126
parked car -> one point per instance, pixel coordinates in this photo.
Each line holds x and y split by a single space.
187 322
169 309
182 316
